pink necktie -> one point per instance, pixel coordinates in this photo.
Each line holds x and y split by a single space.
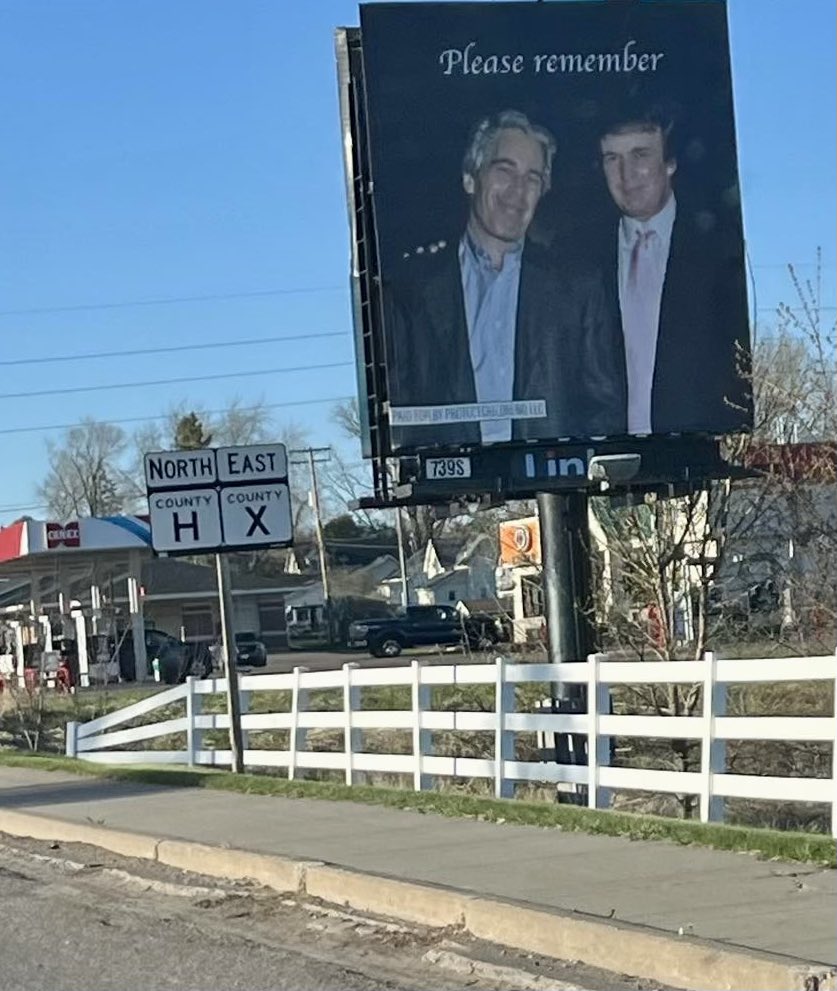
639 255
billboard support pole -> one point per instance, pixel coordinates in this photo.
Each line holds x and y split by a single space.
567 583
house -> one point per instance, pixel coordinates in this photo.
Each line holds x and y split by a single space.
182 599
452 570
518 577
519 573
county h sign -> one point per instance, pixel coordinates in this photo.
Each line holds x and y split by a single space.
229 498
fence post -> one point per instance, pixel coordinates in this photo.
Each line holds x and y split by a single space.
352 738
598 746
422 738
504 703
194 707
713 753
834 764
72 739
298 737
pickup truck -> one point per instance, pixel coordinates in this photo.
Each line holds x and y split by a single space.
418 626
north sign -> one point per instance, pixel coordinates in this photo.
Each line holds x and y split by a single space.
173 469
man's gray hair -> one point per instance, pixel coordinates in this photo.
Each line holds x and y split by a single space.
485 134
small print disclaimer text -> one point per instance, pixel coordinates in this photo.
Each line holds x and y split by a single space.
411 416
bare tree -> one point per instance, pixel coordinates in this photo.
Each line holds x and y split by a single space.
734 559
86 476
421 523
242 424
346 416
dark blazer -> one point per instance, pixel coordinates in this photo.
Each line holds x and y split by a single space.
564 348
703 341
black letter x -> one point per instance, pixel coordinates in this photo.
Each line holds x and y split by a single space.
257 521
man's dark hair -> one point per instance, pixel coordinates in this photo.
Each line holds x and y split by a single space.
653 117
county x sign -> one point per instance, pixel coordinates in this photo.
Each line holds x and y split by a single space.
229 498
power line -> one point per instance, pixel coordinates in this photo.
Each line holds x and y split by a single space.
63 358
45 428
797 309
178 381
20 509
165 300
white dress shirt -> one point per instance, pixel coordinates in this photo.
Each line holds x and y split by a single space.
643 256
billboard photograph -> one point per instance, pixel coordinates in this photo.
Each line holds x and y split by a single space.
557 220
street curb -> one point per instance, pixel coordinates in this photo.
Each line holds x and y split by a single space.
681 961
278 873
422 904
39 827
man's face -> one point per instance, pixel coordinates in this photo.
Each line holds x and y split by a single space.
637 174
505 193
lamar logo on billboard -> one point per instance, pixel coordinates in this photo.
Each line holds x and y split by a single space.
522 539
62 535
520 542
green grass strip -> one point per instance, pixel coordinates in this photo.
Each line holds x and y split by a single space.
765 843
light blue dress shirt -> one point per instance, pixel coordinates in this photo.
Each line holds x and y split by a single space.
491 313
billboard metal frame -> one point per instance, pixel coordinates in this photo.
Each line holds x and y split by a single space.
366 280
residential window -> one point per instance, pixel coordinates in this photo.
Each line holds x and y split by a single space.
532 598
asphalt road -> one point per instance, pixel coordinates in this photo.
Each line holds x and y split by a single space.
86 929
326 660
80 919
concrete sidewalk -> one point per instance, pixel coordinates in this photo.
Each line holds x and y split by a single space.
730 899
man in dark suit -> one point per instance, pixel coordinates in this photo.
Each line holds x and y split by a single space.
491 318
678 274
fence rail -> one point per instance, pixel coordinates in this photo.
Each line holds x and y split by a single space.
105 739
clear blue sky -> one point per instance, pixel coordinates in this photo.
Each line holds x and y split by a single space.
159 150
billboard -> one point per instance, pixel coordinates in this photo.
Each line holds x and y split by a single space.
553 227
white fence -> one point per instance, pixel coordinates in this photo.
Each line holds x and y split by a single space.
101 740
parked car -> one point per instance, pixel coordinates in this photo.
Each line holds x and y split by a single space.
250 651
418 626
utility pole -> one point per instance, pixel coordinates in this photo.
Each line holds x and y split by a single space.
309 459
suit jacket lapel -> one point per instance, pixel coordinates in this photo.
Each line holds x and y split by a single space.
448 351
527 339
671 356
449 333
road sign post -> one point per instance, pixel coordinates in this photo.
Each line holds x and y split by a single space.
217 500
222 571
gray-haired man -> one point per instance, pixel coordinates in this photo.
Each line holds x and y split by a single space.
489 317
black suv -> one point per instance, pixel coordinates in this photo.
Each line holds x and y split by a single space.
418 626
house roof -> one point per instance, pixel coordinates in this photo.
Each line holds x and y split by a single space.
448 550
476 606
444 577
168 576
382 568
